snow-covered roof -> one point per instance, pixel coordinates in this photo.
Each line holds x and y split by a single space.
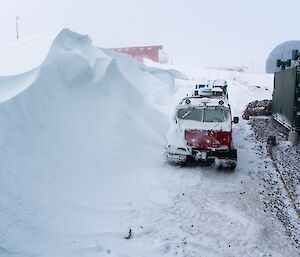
218 83
217 89
204 101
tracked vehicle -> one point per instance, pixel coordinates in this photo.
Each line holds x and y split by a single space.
201 129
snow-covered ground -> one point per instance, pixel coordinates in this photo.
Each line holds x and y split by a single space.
24 54
83 171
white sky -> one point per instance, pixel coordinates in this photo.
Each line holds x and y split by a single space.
194 32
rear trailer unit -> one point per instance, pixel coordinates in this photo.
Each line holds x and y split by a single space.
286 98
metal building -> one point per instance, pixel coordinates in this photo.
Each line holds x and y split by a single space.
154 53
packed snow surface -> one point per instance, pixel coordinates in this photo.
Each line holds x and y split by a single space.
24 54
83 170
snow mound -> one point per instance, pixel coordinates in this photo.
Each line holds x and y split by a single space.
156 84
67 128
282 51
13 85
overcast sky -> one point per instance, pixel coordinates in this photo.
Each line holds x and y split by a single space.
193 32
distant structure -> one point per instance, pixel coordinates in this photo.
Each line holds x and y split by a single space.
283 52
154 53
17 25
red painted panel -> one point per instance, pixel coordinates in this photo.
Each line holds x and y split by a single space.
206 139
140 52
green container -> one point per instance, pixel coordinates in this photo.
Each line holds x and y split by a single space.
286 98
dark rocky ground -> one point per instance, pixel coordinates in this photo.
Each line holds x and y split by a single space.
281 199
258 108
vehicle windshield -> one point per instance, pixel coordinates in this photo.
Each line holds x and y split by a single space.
191 114
214 115
202 115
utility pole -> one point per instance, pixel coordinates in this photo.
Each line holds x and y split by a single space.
17 25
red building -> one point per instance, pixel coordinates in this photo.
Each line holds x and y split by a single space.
154 53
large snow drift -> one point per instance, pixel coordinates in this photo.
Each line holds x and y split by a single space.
67 129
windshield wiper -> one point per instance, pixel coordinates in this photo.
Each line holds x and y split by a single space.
186 114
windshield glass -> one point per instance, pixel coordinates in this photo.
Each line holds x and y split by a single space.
202 115
190 114
214 115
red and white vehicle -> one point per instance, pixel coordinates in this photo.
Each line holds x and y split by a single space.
202 129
